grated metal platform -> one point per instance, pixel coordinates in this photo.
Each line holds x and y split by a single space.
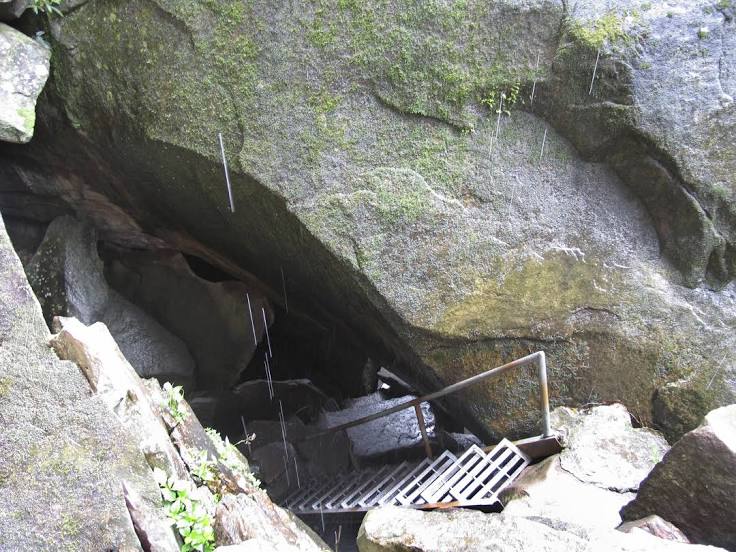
475 478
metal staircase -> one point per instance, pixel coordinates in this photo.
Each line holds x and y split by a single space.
473 479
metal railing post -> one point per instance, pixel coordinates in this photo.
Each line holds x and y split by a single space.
544 393
423 429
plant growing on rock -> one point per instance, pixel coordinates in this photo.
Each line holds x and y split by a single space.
175 401
501 100
203 468
189 513
229 455
48 7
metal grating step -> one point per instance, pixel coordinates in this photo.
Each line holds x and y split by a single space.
474 478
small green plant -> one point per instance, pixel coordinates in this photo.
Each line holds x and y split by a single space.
203 468
229 455
703 33
175 401
48 7
190 515
501 100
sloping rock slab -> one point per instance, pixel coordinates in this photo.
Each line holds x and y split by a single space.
113 379
67 275
393 529
24 68
694 486
602 447
395 432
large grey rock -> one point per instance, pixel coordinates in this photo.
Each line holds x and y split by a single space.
63 454
588 483
24 68
602 448
548 492
212 318
364 163
393 529
326 455
694 485
396 432
67 276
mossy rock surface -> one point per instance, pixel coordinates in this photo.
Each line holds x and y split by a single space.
372 160
63 454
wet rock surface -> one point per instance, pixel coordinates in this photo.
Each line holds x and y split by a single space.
679 407
694 485
245 517
113 379
390 434
548 492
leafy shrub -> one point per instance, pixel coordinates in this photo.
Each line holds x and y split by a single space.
191 516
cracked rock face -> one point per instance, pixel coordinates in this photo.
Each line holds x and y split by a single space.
24 68
366 163
603 449
594 476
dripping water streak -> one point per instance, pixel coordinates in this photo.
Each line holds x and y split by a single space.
296 471
534 85
544 140
286 469
595 68
265 327
338 535
227 175
269 381
252 322
282 420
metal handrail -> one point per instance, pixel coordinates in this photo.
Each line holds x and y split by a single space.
539 358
